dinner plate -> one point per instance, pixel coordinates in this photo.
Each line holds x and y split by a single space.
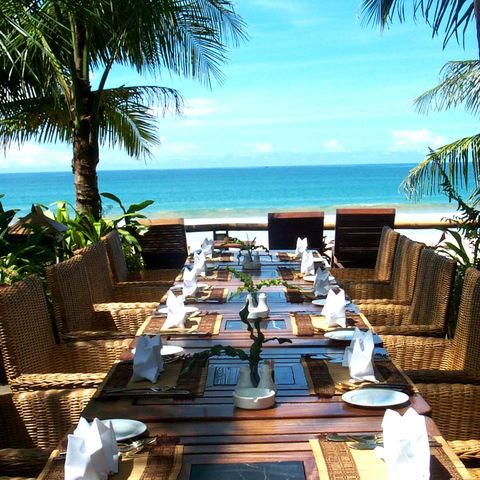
125 428
375 397
189 309
321 302
346 335
178 288
167 350
309 278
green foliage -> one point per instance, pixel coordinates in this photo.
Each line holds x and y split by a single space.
462 243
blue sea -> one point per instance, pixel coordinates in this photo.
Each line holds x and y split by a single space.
230 192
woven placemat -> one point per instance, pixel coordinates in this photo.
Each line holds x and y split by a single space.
206 324
215 294
220 275
307 325
222 257
291 257
323 376
121 373
162 461
335 460
289 274
298 296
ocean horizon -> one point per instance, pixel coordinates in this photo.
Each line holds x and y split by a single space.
231 192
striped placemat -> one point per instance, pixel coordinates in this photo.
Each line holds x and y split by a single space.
161 461
335 460
204 323
289 274
307 324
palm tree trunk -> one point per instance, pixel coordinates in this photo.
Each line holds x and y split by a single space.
85 136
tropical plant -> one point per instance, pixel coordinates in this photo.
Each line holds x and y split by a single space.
50 50
84 229
461 243
459 84
254 354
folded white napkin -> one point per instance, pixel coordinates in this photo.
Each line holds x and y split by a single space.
334 309
406 451
189 282
302 245
322 282
307 267
199 264
207 247
358 356
91 451
176 312
147 361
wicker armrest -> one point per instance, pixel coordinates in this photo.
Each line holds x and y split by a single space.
162 275
47 381
416 330
94 355
123 317
23 462
364 290
352 274
413 353
384 314
138 293
444 376
86 335
455 408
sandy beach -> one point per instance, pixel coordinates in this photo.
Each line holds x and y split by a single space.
428 236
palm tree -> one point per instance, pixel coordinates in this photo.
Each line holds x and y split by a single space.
50 48
460 84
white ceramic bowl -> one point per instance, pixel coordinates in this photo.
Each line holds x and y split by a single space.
253 398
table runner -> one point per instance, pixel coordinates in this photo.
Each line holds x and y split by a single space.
335 460
161 461
291 257
307 324
118 380
203 323
323 377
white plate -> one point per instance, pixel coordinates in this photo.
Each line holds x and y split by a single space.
375 397
346 335
309 278
125 428
179 288
171 350
188 309
319 302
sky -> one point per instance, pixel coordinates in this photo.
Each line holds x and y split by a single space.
312 85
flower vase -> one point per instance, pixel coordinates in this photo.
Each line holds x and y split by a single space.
251 261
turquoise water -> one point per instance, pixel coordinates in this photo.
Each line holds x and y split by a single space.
230 192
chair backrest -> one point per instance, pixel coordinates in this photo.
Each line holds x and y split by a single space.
285 227
72 300
433 289
386 254
165 243
116 257
404 271
95 259
26 335
465 353
357 234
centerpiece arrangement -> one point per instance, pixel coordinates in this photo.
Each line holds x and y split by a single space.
254 326
248 252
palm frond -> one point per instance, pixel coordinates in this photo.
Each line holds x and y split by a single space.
455 159
452 17
127 119
460 84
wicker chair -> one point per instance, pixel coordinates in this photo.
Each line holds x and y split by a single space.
32 424
165 243
285 227
439 356
75 316
32 359
119 268
357 235
427 315
102 288
399 289
383 266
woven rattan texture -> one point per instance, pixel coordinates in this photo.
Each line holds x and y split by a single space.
118 265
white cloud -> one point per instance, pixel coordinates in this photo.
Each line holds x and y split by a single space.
263 147
34 157
200 107
413 140
333 145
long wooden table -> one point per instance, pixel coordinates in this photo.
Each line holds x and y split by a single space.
213 434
